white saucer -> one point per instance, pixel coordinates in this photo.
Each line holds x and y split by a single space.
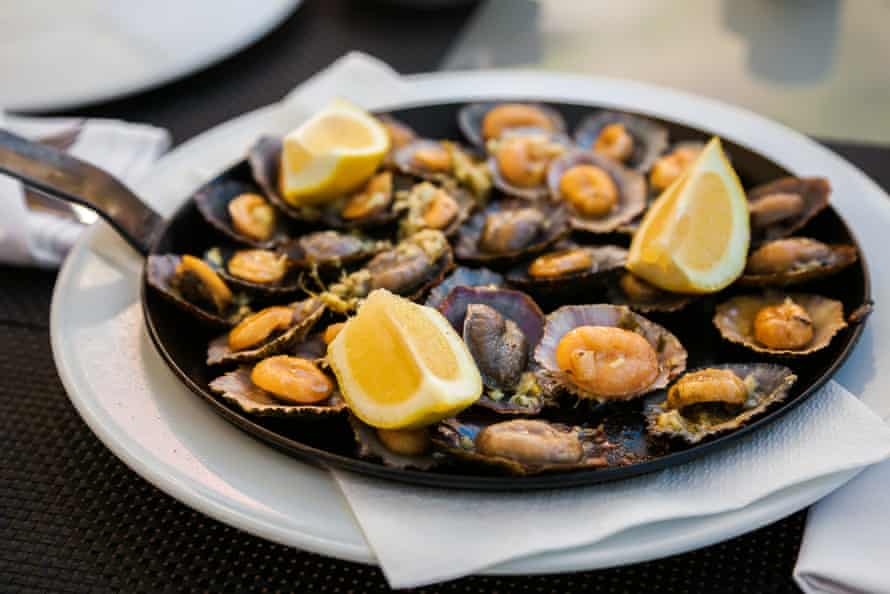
126 394
69 53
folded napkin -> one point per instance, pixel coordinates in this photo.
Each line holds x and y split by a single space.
423 535
846 545
42 237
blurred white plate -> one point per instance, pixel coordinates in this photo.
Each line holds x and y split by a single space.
56 55
150 420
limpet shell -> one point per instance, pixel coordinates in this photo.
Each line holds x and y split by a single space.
650 138
237 388
331 249
734 319
532 193
264 158
460 439
463 277
218 258
467 245
371 447
470 117
159 272
840 257
769 384
671 354
218 351
814 191
332 215
213 201
631 191
411 204
666 301
606 260
525 397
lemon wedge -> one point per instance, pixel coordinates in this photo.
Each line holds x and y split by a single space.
331 154
694 238
401 365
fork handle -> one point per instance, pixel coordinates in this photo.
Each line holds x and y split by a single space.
58 175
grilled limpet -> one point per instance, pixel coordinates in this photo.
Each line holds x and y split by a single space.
569 271
481 122
601 194
607 353
781 207
270 331
510 229
778 323
795 260
523 446
521 158
717 399
631 140
281 386
195 287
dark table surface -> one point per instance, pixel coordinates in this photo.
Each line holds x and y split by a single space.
73 518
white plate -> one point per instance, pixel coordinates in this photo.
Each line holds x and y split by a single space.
139 409
61 54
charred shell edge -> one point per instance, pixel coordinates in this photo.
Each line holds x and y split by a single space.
234 385
806 300
671 354
528 194
842 256
463 277
218 351
288 285
451 433
212 201
612 258
159 269
815 192
777 393
653 135
631 191
470 117
467 245
370 447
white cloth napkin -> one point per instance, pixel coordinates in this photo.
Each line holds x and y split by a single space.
421 535
41 238
846 545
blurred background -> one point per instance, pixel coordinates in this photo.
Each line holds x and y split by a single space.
817 65
820 66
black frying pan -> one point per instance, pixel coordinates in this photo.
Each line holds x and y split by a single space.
330 442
